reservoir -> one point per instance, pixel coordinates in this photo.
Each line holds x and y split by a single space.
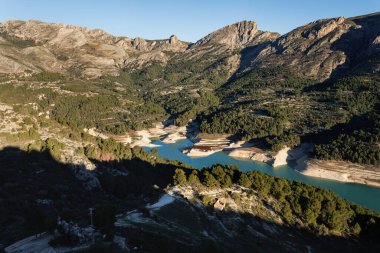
361 194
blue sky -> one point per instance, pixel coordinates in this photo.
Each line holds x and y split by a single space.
189 20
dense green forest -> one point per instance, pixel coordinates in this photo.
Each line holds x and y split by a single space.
357 141
319 210
273 105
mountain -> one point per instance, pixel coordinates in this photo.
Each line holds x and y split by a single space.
323 48
35 46
76 105
237 35
316 50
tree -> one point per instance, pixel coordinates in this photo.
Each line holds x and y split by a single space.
209 180
193 178
244 180
179 177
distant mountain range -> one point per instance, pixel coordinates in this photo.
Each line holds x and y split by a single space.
318 50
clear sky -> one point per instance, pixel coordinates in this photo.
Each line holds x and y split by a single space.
189 20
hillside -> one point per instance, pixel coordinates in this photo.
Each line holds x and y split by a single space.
78 105
324 48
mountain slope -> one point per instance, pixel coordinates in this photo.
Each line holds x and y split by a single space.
323 48
73 49
35 46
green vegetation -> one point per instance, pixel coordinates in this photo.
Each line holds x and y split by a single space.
241 120
357 141
272 104
108 149
278 142
359 93
319 210
208 71
79 112
53 146
248 83
179 177
22 136
47 77
187 108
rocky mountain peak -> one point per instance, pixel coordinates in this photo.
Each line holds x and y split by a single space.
235 35
323 48
173 39
140 44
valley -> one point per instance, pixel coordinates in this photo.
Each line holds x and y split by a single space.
243 139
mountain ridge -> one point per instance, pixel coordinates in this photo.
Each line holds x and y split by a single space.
319 50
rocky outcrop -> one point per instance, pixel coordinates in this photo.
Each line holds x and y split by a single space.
317 50
34 46
274 159
173 40
321 49
236 35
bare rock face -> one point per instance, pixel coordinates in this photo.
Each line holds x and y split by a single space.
321 49
374 48
318 50
140 44
62 48
219 46
235 35
173 40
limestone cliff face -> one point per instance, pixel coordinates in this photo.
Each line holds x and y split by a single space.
35 45
236 35
322 48
219 46
317 50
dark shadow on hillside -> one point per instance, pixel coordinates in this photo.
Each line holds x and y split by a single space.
35 189
236 232
356 46
251 52
246 55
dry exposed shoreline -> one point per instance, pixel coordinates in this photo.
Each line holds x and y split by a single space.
143 138
340 171
208 144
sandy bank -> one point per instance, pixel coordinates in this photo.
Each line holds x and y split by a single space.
208 145
173 134
274 159
143 138
340 171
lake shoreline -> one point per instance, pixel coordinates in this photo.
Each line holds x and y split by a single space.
342 171
204 145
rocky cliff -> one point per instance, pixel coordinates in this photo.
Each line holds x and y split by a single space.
317 50
323 48
34 46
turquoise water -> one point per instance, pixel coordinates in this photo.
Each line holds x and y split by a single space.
361 194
